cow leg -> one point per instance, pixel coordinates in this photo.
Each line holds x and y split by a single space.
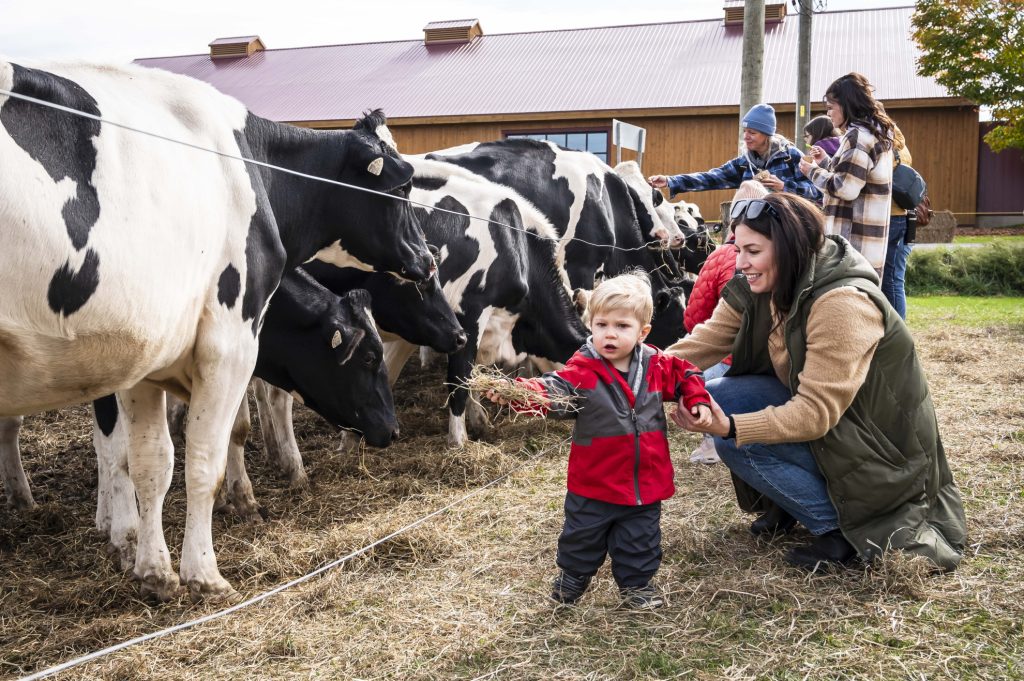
150 464
236 494
396 354
477 421
117 514
225 355
428 357
460 364
274 407
19 495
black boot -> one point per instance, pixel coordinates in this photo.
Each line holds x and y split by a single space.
828 551
568 588
773 521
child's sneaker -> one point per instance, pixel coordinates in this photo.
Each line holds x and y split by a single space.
567 588
644 597
706 452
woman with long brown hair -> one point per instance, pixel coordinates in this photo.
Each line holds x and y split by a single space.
825 417
857 181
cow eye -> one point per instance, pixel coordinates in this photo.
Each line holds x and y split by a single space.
371 359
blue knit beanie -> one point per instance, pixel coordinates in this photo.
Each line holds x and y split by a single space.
761 117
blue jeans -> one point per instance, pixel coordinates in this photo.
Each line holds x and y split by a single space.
717 371
894 275
785 473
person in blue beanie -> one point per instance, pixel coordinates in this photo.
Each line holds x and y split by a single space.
769 158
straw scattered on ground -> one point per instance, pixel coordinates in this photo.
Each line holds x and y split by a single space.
464 596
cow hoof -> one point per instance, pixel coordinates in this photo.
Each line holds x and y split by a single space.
125 553
161 587
19 503
299 482
217 591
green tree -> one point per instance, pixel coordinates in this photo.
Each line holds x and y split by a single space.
975 49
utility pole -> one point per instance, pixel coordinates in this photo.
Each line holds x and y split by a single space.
803 70
753 59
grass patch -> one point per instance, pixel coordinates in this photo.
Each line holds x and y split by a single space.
931 311
1005 239
990 271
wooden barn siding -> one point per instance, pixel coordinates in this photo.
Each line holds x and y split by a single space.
943 142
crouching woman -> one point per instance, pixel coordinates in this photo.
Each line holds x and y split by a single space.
825 417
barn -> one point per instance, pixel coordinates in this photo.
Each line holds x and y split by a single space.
678 80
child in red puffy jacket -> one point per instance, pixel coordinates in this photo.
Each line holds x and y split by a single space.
619 465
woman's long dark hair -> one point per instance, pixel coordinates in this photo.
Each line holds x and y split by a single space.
796 235
819 128
854 95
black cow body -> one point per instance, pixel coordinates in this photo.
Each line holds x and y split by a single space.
565 185
502 277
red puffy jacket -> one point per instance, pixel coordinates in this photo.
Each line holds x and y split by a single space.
620 452
714 275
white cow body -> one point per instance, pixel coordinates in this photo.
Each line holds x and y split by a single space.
125 266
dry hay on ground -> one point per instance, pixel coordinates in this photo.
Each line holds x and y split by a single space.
464 595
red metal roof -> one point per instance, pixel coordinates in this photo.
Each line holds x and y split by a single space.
681 64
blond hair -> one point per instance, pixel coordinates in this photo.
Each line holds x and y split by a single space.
628 291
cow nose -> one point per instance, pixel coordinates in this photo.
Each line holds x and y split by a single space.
460 341
419 268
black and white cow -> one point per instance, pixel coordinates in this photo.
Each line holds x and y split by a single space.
416 313
503 278
315 345
603 224
132 265
665 229
697 242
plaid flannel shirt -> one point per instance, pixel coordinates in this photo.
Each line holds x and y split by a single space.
857 184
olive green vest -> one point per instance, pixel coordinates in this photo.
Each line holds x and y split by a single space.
884 462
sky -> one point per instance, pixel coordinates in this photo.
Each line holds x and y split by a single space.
122 30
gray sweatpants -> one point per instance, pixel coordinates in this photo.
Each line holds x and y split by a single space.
631 535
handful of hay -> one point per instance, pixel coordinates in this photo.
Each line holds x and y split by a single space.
763 175
485 379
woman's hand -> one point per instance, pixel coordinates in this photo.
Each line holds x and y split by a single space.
818 154
805 167
718 424
773 183
657 181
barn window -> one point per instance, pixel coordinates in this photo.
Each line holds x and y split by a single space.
594 141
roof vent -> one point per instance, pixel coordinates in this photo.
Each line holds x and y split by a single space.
774 12
451 32
242 46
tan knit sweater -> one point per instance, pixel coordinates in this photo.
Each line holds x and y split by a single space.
843 330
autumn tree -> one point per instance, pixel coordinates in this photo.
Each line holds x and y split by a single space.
975 49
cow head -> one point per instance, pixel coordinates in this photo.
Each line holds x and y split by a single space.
667 324
385 234
325 349
416 312
654 223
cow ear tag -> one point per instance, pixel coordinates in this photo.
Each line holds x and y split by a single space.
336 339
376 165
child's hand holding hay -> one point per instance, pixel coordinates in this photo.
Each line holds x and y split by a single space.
521 396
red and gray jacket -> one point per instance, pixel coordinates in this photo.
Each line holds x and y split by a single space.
619 448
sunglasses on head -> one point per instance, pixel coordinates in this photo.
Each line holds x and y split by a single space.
752 208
